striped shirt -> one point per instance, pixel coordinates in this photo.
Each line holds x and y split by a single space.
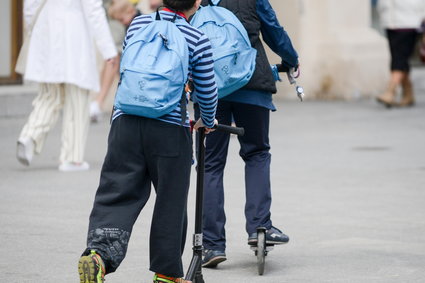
201 69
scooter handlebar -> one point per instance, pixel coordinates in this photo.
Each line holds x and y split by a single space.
224 128
229 129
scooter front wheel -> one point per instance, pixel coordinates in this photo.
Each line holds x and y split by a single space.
261 251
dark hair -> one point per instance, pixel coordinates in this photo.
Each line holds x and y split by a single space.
179 5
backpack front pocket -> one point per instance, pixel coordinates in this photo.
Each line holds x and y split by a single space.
145 93
232 71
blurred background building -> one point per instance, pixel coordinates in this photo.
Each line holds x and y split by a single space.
342 53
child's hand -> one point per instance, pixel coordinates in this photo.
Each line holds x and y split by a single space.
200 124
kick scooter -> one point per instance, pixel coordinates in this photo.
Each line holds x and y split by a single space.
261 249
194 273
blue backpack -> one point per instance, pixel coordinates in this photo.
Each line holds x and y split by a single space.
154 69
234 58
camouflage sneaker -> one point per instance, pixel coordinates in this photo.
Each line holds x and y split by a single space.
91 268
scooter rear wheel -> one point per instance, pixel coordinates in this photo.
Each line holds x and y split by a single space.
261 251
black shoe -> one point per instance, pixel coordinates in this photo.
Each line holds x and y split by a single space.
273 237
212 258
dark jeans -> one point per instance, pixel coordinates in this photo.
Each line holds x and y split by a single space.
255 153
142 151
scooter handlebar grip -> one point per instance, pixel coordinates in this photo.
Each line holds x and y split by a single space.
229 129
282 68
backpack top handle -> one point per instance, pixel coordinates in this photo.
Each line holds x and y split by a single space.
211 2
158 15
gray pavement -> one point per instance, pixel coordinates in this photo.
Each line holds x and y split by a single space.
348 182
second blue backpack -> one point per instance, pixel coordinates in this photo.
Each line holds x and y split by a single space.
234 58
154 69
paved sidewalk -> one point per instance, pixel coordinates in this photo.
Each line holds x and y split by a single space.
15 100
348 182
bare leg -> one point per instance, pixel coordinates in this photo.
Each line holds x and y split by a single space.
110 69
388 97
408 98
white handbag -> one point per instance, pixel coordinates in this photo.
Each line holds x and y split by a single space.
21 62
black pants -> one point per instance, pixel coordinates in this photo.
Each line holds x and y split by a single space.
402 45
142 151
255 153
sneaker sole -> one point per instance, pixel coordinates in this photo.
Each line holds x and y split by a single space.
87 270
214 261
275 243
254 243
74 168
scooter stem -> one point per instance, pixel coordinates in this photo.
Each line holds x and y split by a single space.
194 272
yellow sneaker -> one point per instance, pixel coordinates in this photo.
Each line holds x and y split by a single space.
91 268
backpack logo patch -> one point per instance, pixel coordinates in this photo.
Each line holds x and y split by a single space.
140 98
142 85
225 69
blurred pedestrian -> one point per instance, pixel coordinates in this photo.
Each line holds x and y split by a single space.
402 20
123 11
422 46
250 108
61 58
